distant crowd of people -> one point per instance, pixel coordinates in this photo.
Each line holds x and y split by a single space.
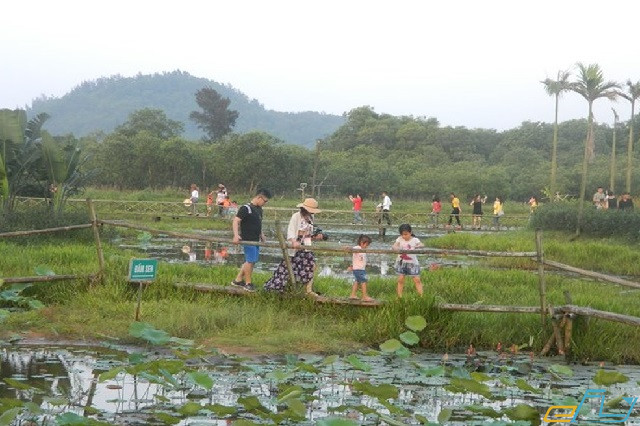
607 200
302 232
216 199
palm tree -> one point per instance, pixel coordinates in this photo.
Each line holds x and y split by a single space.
634 93
590 86
612 173
555 88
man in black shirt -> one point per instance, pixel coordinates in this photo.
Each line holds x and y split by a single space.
625 202
247 226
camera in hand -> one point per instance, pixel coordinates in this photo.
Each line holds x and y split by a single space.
317 231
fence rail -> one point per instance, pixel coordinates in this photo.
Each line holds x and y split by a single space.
538 256
176 209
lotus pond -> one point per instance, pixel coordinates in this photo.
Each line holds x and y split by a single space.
170 381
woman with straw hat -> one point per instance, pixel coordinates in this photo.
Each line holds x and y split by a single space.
300 233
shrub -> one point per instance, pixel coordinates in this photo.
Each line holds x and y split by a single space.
563 216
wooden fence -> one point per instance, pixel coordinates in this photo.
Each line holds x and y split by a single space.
561 316
337 218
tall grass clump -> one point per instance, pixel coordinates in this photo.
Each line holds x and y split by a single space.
597 223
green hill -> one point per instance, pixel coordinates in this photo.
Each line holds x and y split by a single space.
103 104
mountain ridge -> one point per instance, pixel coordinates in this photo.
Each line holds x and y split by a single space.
105 103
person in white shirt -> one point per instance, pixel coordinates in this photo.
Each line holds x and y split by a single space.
195 194
383 208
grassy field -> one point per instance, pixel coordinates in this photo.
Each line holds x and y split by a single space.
265 323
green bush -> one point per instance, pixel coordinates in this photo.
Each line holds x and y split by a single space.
563 216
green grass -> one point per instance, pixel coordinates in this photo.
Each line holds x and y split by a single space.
273 324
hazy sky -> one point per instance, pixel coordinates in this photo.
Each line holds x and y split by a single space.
467 62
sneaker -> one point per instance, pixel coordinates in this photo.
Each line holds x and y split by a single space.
238 283
249 287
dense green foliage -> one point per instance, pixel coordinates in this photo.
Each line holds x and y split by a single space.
409 157
102 105
599 223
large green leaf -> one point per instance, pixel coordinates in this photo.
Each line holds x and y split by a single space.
561 370
201 379
147 332
523 412
357 363
383 391
608 378
460 385
410 338
416 323
390 345
522 384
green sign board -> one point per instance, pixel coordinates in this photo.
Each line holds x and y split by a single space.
143 269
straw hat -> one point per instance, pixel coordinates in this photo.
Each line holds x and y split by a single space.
187 202
310 205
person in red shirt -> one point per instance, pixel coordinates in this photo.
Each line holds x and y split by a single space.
436 207
357 207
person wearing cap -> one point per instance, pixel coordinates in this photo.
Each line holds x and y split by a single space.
300 234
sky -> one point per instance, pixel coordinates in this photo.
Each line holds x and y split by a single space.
467 63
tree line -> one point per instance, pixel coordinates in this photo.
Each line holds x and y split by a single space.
409 157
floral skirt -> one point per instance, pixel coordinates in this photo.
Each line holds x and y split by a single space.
302 263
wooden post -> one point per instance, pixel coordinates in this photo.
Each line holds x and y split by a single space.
285 255
541 278
568 326
139 301
96 235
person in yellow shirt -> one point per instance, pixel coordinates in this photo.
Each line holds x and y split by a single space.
497 212
455 210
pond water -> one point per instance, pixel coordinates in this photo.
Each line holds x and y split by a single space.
181 250
61 380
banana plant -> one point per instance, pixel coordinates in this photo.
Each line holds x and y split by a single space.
61 162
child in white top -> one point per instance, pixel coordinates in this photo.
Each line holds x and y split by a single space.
407 264
358 267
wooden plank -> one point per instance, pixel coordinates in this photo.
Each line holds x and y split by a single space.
591 274
214 288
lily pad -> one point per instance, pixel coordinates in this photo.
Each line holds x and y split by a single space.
416 323
608 378
390 346
410 338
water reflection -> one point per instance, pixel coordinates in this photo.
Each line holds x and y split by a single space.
178 250
73 374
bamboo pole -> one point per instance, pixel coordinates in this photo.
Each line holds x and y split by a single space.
96 235
489 308
592 274
45 231
595 313
44 278
291 282
568 328
541 279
